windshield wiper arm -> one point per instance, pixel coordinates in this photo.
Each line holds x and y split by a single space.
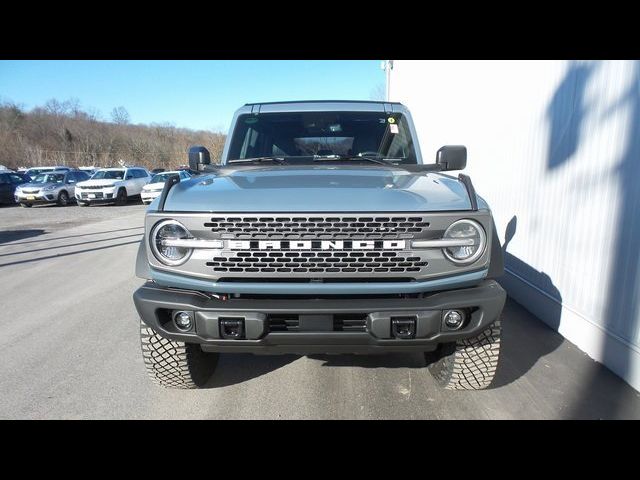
380 161
279 160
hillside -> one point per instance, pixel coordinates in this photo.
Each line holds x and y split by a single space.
61 133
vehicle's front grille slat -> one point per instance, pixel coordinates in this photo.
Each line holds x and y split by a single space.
329 227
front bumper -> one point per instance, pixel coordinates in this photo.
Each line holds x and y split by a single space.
43 197
484 303
150 196
104 195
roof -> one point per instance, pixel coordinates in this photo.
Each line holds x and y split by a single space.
323 106
322 101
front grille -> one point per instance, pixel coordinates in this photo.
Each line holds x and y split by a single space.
340 323
317 227
97 195
37 190
96 187
318 262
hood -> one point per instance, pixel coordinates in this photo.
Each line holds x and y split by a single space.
154 186
32 185
107 182
318 189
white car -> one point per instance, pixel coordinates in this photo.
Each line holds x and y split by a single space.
153 189
112 185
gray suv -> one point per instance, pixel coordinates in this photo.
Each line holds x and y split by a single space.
57 186
321 230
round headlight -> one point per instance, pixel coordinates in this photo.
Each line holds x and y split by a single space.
465 230
169 254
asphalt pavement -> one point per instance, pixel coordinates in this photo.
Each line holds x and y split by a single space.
69 348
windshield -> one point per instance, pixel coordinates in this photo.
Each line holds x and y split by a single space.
308 134
108 175
161 177
35 171
49 178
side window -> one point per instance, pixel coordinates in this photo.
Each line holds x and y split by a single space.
16 179
140 173
129 174
184 175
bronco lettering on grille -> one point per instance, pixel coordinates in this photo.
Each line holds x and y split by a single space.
316 245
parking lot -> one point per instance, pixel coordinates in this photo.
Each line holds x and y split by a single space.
70 348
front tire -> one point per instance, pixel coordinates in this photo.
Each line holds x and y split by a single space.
470 363
121 197
173 364
63 199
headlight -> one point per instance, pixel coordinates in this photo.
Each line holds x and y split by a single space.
465 230
163 233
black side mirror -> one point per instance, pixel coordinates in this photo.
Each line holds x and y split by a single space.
452 157
198 157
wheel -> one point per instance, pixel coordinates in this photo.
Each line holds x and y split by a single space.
121 197
468 364
173 364
83 204
63 199
25 205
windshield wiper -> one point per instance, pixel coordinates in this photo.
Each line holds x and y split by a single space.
380 161
278 160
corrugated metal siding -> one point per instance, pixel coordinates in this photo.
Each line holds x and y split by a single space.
557 145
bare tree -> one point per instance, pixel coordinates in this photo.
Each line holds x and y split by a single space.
62 133
120 116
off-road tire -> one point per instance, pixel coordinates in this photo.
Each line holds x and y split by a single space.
121 197
468 364
63 199
173 364
25 205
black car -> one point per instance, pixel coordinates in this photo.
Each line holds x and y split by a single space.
8 183
157 170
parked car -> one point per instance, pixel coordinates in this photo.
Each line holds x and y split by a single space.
186 168
88 170
57 186
157 170
346 241
32 172
9 181
153 189
112 185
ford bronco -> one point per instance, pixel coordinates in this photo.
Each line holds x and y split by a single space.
321 230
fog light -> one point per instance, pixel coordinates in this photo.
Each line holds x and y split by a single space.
453 319
183 321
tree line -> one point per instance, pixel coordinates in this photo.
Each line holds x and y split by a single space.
63 133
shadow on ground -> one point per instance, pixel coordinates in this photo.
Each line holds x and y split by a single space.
13 235
241 367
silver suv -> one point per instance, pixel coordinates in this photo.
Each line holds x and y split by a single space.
57 186
112 185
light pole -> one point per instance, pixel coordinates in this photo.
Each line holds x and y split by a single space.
387 66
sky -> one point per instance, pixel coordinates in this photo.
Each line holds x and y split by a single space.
185 93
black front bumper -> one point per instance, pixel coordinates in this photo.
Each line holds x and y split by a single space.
155 304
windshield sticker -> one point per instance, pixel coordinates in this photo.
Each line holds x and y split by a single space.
393 128
391 120
251 120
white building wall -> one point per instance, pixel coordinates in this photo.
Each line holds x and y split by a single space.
554 147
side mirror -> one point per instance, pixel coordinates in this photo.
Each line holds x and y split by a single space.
198 157
452 157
